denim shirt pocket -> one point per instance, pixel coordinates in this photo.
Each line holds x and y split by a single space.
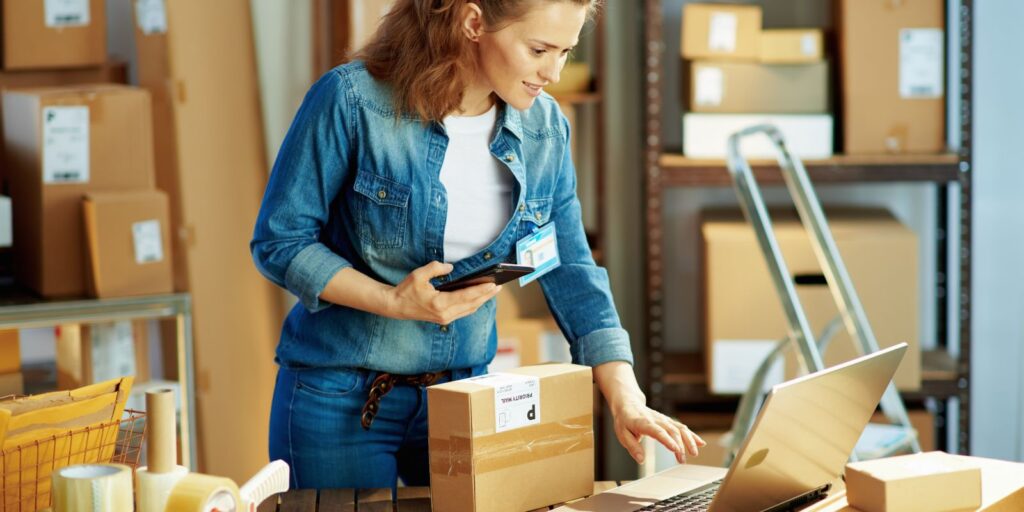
536 214
381 209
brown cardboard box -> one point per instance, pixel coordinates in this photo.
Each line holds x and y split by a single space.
738 87
527 333
791 46
86 354
933 481
892 76
50 35
128 238
100 137
12 383
719 31
742 305
534 461
10 351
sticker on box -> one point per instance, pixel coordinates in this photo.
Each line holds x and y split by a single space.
516 399
710 86
151 16
66 13
148 244
66 144
722 32
921 53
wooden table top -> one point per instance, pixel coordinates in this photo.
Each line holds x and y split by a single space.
408 499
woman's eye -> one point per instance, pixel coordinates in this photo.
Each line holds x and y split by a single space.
537 51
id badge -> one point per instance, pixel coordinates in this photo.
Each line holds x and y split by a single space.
540 251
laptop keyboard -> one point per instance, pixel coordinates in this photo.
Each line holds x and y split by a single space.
693 500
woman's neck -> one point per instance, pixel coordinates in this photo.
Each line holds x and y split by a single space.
476 100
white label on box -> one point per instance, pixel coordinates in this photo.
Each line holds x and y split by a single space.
113 350
516 399
809 45
722 32
151 16
66 144
148 244
735 362
5 222
710 86
921 63
66 13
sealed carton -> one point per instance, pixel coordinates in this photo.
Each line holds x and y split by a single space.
720 31
743 87
791 46
128 243
62 143
808 136
512 441
933 481
893 78
38 34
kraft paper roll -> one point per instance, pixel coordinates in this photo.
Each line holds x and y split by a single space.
162 446
153 489
92 488
204 493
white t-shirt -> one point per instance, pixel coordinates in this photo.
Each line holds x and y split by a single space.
479 186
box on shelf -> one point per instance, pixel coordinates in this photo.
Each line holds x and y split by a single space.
808 136
741 87
10 350
934 481
90 353
62 143
527 333
791 46
6 229
484 433
742 305
128 243
892 76
720 31
53 34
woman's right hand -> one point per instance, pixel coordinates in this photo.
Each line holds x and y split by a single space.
416 299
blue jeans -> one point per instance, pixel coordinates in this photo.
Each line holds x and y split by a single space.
315 428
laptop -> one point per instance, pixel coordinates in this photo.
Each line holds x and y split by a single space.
799 444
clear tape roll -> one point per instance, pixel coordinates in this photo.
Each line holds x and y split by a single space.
92 488
153 489
204 493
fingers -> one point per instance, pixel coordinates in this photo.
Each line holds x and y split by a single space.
631 443
432 270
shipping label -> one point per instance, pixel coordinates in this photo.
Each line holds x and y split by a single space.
148 244
66 13
921 55
66 144
516 399
722 32
710 86
151 16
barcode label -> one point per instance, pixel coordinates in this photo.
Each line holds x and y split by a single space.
921 63
148 244
66 144
151 16
66 13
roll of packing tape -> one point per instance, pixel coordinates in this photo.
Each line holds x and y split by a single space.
153 489
92 488
204 493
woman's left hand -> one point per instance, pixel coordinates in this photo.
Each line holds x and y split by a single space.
634 420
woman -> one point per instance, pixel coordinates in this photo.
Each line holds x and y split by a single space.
428 159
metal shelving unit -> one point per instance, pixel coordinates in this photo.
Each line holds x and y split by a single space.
679 379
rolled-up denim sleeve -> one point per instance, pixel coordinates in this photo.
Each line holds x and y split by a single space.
578 292
311 166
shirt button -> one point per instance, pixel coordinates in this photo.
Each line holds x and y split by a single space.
522 208
510 158
488 255
382 194
538 216
444 328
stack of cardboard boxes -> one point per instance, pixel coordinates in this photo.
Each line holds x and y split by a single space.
742 75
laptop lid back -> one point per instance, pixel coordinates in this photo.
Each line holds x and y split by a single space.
805 432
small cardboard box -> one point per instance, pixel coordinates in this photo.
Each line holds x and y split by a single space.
791 46
718 31
893 83
62 143
10 351
512 441
742 87
128 238
38 34
932 481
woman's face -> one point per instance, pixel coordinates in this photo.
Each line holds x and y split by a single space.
519 59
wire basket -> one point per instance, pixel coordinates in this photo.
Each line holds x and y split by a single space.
25 470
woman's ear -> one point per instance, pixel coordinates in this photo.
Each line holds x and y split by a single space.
472 21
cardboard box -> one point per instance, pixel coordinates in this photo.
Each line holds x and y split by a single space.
53 34
86 354
741 303
12 383
129 243
791 46
10 351
933 481
892 56
808 136
527 333
63 143
513 441
742 87
719 31
6 228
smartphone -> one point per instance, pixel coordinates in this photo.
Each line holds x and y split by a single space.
498 274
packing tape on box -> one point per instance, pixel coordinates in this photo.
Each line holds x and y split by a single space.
154 489
92 487
204 493
492 452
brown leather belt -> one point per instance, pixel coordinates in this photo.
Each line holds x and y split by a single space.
385 382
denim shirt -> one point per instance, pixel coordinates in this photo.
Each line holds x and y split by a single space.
353 186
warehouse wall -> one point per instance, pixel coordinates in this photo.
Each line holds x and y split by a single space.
997 327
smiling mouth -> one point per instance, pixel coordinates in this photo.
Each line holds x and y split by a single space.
532 87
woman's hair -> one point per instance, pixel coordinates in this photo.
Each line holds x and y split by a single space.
421 52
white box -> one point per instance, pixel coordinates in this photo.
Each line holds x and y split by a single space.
808 136
5 222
